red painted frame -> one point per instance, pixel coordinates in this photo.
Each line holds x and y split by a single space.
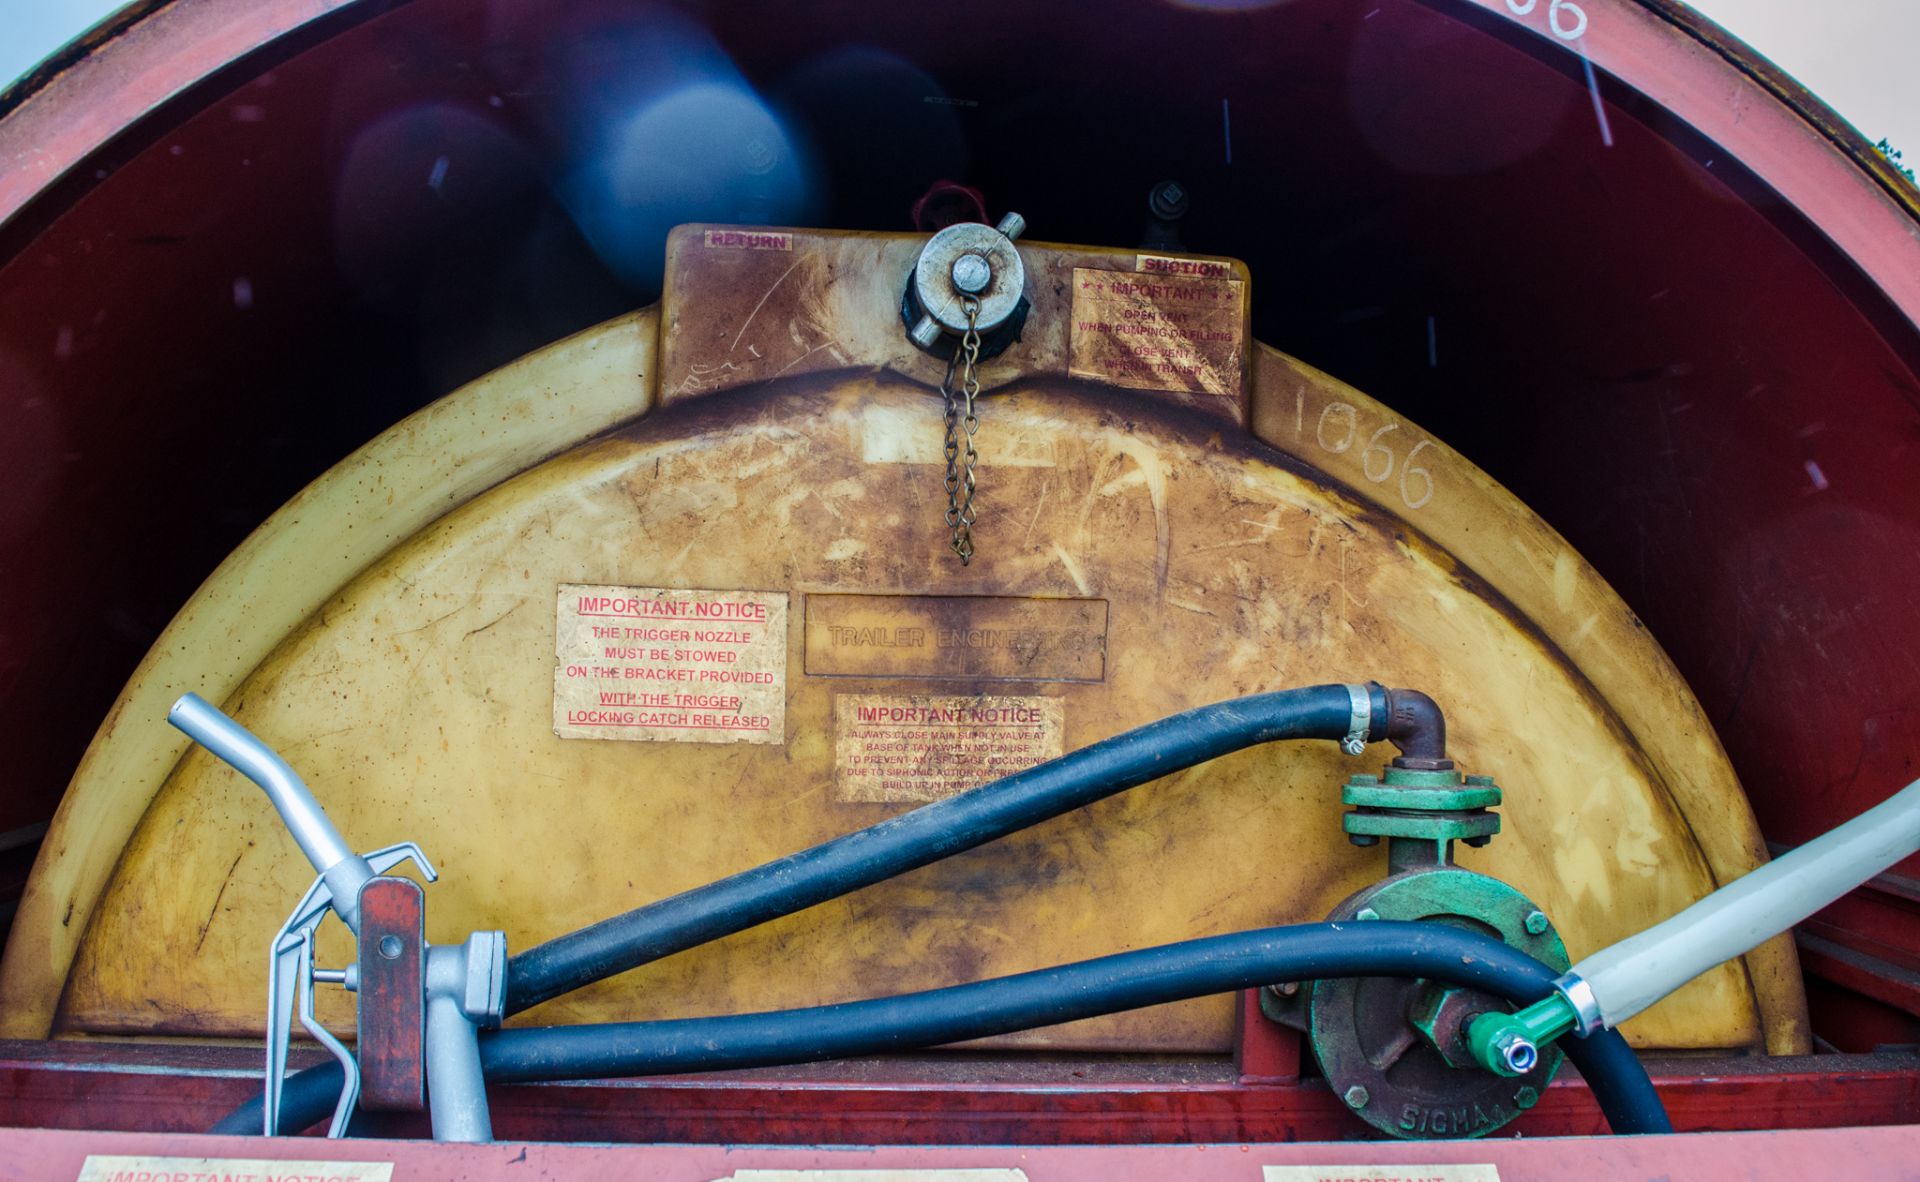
1859 1155
940 1099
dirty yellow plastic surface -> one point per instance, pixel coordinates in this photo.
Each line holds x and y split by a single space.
420 706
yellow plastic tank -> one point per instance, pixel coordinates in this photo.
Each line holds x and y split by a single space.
676 596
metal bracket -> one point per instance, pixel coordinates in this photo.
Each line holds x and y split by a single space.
290 981
391 1012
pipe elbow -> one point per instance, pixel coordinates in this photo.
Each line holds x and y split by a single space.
1417 727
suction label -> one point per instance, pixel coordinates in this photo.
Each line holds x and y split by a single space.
671 665
115 1168
1161 264
912 747
1158 330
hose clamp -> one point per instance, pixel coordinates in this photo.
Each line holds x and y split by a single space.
1359 719
1574 990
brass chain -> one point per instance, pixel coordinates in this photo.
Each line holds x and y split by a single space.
962 423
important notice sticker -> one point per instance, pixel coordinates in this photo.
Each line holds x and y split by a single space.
1158 331
863 1175
890 747
100 1167
1440 1172
663 664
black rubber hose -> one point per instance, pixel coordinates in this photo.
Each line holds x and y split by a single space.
926 835
1130 980
307 1096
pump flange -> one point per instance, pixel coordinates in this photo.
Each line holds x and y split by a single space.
1397 1050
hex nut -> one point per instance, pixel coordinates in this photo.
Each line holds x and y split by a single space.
1357 1097
1441 1015
1517 1054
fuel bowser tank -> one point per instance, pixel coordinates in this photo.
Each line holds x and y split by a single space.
686 592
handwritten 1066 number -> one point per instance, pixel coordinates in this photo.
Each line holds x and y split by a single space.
1567 19
1338 429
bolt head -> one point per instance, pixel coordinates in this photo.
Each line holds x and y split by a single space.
1357 1097
1366 913
1363 839
1525 1098
1168 201
762 155
971 274
1536 923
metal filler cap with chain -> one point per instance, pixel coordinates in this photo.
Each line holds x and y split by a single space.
968 281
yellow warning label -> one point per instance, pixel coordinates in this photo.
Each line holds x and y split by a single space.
100 1167
890 747
1157 331
662 663
1403 1172
864 1175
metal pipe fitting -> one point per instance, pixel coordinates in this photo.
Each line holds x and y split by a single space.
466 989
1417 727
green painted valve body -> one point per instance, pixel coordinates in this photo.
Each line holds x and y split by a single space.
1399 1051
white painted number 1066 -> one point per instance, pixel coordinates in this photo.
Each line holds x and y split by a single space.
1567 19
1338 429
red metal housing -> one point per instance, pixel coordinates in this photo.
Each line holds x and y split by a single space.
1641 277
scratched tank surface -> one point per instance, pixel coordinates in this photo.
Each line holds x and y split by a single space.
709 638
